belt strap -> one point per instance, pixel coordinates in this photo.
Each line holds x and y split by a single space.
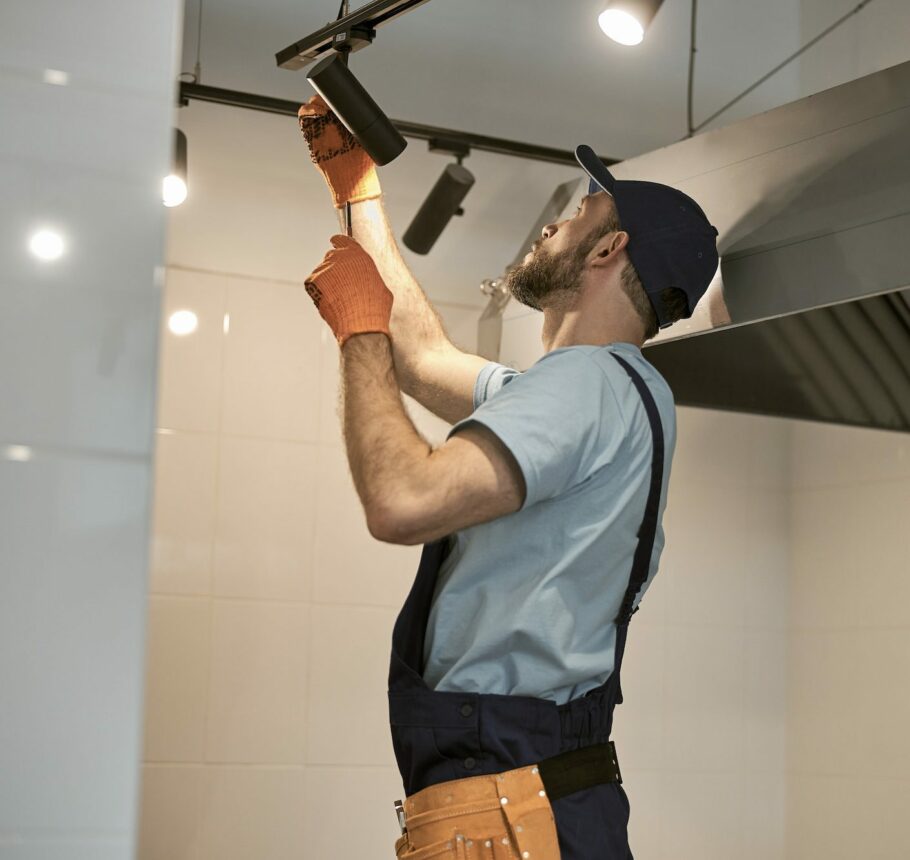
575 770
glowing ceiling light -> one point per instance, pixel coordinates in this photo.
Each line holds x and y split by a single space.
173 189
20 453
621 27
46 244
183 322
56 77
625 21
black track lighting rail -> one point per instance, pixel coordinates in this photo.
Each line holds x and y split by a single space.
497 145
368 18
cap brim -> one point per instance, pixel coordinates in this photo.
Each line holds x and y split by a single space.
595 168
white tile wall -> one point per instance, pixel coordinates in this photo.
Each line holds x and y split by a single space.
272 607
78 352
700 733
849 752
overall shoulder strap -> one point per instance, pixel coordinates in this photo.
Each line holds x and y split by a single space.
641 562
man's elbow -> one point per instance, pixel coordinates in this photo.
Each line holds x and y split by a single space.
393 525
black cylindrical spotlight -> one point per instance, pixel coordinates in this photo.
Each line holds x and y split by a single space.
174 185
352 104
443 202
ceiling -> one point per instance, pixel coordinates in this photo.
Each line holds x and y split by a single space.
539 72
522 69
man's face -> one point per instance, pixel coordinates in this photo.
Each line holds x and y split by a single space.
556 263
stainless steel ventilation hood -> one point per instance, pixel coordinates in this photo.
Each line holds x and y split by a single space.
809 313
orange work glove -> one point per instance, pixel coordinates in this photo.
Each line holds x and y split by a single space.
343 162
349 292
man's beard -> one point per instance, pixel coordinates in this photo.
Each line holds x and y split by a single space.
548 277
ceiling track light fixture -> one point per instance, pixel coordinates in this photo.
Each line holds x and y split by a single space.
444 200
625 21
173 189
352 104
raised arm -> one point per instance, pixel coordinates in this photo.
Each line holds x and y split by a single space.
428 366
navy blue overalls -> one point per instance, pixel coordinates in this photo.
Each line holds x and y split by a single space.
440 736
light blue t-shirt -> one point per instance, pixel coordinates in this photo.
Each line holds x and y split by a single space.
525 604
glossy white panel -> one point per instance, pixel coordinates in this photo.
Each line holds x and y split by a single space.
103 44
78 336
66 846
64 129
72 623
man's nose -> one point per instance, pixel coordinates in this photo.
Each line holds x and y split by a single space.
548 231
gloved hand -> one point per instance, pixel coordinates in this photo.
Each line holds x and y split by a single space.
345 166
349 292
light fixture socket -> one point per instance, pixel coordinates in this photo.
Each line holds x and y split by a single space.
458 149
180 161
352 104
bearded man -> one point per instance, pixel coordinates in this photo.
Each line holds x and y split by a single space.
540 515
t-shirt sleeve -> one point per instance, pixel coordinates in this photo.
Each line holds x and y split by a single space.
492 377
560 419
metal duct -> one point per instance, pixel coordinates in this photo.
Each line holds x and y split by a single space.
808 315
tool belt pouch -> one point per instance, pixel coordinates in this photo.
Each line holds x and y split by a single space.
494 815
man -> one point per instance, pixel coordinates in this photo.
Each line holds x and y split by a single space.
540 514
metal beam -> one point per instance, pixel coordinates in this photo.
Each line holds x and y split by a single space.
498 145
310 48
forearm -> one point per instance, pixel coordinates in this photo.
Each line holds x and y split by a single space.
386 454
415 325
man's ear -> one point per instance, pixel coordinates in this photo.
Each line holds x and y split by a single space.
609 247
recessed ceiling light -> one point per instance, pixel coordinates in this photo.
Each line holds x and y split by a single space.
55 76
46 244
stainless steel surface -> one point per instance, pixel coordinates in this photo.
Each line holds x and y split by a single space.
808 311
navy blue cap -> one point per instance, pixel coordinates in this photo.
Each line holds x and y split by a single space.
671 241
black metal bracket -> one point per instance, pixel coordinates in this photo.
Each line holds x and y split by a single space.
364 20
459 149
